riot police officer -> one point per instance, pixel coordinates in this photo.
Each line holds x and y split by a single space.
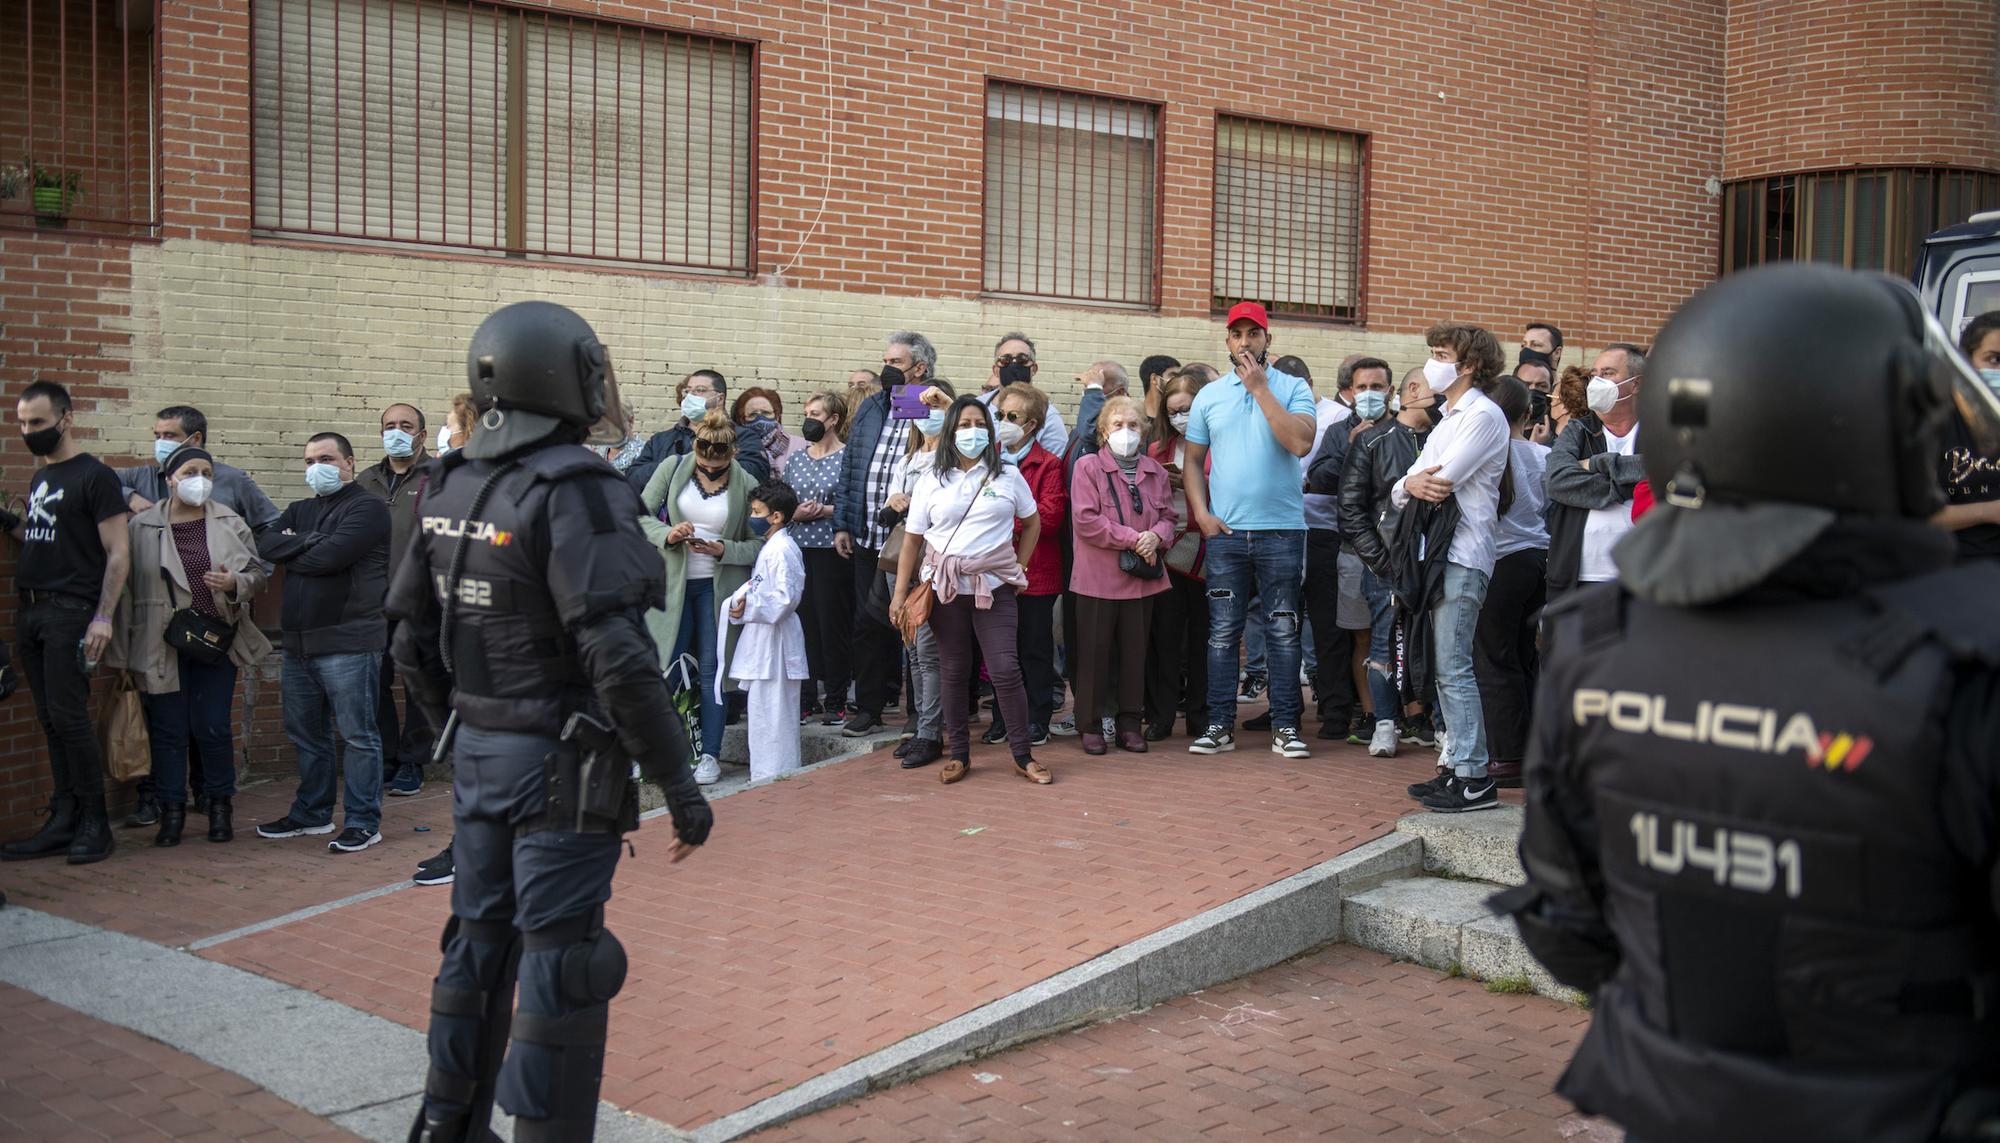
521 612
1764 791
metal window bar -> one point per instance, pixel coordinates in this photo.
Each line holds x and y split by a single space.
470 124
1070 202
1288 218
87 114
1870 217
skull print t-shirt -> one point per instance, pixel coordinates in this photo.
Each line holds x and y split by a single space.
60 547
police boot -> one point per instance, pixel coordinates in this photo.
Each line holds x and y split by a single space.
472 1004
556 1065
53 839
93 840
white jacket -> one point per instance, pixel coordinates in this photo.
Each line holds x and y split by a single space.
772 644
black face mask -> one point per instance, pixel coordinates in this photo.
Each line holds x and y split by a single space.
1534 356
711 473
814 430
1009 374
891 376
42 442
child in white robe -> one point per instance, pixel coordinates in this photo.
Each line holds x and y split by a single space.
770 658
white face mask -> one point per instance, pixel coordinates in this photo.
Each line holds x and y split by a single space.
1008 434
1123 442
193 490
1178 421
1440 374
1603 393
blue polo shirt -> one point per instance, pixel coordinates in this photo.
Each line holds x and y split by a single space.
1253 481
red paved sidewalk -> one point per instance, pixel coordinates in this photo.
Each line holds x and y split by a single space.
200 888
838 912
1343 1044
65 1076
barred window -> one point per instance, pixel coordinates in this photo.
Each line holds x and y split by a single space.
1865 219
1070 187
1288 218
467 124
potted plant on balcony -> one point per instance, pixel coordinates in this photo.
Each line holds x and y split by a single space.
53 189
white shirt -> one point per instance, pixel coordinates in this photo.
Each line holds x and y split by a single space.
1604 527
708 514
938 506
1322 511
1053 436
1469 445
1525 525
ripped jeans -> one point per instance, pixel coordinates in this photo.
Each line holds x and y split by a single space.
1384 694
1268 565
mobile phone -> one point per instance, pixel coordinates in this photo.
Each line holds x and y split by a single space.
906 403
1538 407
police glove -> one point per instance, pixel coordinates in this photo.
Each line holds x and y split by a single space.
691 813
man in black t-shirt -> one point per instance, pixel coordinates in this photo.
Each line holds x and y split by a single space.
1971 477
74 559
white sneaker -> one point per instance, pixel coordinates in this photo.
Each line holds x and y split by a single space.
709 771
1383 745
1110 726
1285 740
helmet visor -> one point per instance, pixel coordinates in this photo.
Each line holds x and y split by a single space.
1973 398
611 427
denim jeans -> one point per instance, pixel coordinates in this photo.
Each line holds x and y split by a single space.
197 714
1384 697
343 687
697 634
1454 623
1268 565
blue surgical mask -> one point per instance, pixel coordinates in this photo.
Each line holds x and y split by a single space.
760 526
1017 455
1370 405
932 425
1991 376
693 406
162 449
398 443
971 442
323 479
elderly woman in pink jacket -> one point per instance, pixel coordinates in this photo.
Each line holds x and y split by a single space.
1122 513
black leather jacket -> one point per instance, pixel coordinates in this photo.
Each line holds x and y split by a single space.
1375 461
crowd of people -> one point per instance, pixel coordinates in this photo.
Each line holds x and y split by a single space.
1193 539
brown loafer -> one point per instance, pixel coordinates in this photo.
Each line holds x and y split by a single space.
1093 743
1035 772
954 770
1132 741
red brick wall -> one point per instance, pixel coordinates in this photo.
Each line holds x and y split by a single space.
1833 83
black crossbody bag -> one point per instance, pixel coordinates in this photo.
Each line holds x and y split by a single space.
199 637
1129 561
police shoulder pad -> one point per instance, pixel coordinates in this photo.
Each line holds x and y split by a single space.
1954 607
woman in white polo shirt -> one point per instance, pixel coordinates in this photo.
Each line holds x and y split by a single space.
964 511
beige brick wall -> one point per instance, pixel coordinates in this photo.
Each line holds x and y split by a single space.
277 342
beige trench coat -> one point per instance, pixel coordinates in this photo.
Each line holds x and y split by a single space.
139 627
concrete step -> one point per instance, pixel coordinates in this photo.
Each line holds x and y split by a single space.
1444 924
1482 846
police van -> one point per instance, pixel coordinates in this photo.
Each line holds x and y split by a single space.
1958 271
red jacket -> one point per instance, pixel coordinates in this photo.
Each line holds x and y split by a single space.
1043 470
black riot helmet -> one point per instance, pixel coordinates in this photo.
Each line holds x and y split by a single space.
1809 386
534 369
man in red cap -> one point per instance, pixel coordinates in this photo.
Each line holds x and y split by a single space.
1253 424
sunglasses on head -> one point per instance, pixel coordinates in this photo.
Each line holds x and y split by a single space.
714 448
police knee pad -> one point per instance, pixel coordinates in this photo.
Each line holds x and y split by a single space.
593 970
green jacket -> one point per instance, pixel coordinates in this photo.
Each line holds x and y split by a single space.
739 549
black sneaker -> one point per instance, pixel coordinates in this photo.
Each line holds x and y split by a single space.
994 734
861 722
438 870
286 827
1260 722
1331 731
1360 729
1038 735
1460 795
834 716
353 839
1417 729
145 812
1253 687
1422 790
